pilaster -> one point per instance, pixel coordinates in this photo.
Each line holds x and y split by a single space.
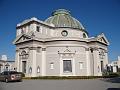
43 62
17 61
61 65
73 64
88 61
33 53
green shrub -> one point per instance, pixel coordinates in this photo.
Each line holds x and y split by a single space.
23 75
114 74
111 75
67 77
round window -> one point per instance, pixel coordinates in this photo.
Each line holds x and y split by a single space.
64 33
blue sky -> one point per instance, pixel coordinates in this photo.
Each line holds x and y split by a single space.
97 16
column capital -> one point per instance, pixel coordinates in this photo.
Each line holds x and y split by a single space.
106 51
33 48
94 48
43 49
17 50
86 49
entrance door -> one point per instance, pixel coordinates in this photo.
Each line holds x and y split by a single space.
67 66
24 66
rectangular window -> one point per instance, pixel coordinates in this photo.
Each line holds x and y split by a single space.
24 66
51 65
67 66
81 65
101 66
38 29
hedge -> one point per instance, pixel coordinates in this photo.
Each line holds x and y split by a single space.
69 77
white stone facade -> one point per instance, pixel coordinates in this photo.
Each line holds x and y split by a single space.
62 49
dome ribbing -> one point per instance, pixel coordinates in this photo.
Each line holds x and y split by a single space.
63 18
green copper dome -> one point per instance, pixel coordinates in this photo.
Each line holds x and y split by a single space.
63 18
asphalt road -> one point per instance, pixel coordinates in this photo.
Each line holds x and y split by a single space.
92 84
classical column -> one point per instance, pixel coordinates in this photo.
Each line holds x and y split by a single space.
106 57
33 61
20 64
17 61
43 62
91 61
61 65
73 67
88 61
95 61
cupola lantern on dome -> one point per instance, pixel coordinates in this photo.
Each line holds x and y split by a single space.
61 11
62 18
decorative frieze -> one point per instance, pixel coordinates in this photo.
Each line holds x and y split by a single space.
102 53
24 54
66 55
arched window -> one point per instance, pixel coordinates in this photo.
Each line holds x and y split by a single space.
30 70
51 65
84 35
38 69
38 28
98 69
7 67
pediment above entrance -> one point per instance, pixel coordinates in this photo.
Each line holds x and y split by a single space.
22 38
101 38
66 51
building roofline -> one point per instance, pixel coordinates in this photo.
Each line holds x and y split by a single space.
31 20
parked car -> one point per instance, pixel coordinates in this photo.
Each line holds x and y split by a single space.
10 76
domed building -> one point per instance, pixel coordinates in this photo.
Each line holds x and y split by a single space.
59 46
6 64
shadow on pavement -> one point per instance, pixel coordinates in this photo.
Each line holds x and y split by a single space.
10 82
113 89
112 80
